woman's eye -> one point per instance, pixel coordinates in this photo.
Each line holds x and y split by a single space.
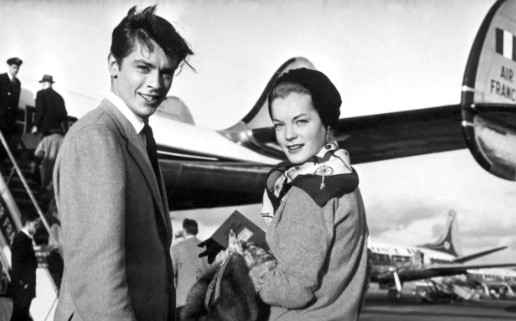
278 126
143 68
301 121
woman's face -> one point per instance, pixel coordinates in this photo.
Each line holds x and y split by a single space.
299 130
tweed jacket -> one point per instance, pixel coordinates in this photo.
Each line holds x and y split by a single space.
116 230
322 258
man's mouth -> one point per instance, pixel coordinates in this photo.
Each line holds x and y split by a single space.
149 98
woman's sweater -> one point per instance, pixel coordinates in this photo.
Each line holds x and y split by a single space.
322 258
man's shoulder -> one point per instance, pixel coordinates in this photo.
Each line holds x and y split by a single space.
95 120
3 77
187 243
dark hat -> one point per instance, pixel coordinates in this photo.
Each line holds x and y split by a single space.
325 96
47 78
14 61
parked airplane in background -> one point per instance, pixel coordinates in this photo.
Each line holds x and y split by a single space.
199 175
394 265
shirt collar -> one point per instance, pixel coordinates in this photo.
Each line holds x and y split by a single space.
26 233
10 76
136 121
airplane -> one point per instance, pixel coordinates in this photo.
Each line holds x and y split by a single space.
207 168
395 265
236 169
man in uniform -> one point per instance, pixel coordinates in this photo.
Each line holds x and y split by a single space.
10 88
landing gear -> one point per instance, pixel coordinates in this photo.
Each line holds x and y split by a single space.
394 294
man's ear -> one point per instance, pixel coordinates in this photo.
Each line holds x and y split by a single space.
113 66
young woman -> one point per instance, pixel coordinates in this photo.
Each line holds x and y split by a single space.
317 227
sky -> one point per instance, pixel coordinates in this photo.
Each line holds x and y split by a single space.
382 56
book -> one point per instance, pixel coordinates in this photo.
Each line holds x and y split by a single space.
244 229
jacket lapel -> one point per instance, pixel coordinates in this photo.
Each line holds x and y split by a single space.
136 150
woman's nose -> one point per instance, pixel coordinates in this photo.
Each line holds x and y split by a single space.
290 133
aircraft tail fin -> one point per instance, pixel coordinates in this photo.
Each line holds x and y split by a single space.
258 117
449 241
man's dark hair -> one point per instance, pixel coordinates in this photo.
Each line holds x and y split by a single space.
190 226
145 26
28 217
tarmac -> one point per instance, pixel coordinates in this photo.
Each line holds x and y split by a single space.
378 307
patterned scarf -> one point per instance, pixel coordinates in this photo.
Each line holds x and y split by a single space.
328 174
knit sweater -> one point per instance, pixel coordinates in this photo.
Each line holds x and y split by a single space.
322 258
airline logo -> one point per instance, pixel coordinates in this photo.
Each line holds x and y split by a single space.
505 44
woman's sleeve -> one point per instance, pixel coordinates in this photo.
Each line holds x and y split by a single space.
302 240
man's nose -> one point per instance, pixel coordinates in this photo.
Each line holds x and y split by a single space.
155 80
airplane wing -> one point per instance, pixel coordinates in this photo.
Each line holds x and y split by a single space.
413 273
385 136
473 256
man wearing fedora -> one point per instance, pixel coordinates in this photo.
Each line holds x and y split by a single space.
50 109
10 88
50 115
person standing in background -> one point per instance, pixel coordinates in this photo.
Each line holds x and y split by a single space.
115 224
10 89
24 264
50 109
188 266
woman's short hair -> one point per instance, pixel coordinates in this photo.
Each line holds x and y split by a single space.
145 26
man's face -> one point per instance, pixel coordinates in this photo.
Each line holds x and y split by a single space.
143 78
32 227
13 69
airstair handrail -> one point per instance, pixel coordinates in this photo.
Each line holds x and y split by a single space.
27 188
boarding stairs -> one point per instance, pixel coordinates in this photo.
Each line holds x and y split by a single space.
20 193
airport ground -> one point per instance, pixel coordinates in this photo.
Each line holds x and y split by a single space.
378 307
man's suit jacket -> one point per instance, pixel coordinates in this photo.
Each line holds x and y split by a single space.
9 99
50 111
115 224
24 266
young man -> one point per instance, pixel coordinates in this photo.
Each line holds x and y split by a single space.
24 266
10 88
188 266
50 109
115 225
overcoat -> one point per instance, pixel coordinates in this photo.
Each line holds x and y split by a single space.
24 266
50 111
116 230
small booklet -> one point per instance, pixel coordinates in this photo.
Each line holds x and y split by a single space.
244 229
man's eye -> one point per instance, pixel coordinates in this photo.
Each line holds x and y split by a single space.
143 68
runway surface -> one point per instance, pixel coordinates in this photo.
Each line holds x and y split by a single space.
379 308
